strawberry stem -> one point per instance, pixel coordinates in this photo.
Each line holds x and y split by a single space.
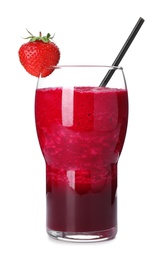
45 39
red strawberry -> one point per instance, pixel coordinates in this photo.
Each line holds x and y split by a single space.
39 53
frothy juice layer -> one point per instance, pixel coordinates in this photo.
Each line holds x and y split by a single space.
81 133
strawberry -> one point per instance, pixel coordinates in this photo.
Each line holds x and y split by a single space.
37 54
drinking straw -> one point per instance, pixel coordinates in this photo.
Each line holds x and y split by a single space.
122 51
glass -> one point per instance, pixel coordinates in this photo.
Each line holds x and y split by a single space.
81 129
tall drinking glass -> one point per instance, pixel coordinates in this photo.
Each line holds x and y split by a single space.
81 129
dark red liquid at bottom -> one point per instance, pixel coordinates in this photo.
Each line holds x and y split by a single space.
78 202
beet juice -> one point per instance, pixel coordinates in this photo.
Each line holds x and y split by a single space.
81 132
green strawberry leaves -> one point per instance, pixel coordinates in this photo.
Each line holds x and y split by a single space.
45 39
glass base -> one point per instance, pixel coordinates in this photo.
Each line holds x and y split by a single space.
84 236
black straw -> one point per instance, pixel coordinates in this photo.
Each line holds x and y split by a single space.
123 51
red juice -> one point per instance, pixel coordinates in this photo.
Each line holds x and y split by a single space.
81 133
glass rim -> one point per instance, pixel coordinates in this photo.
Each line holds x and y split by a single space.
83 66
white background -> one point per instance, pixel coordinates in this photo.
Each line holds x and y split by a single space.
87 32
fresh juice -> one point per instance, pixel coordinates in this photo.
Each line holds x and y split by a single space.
81 133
